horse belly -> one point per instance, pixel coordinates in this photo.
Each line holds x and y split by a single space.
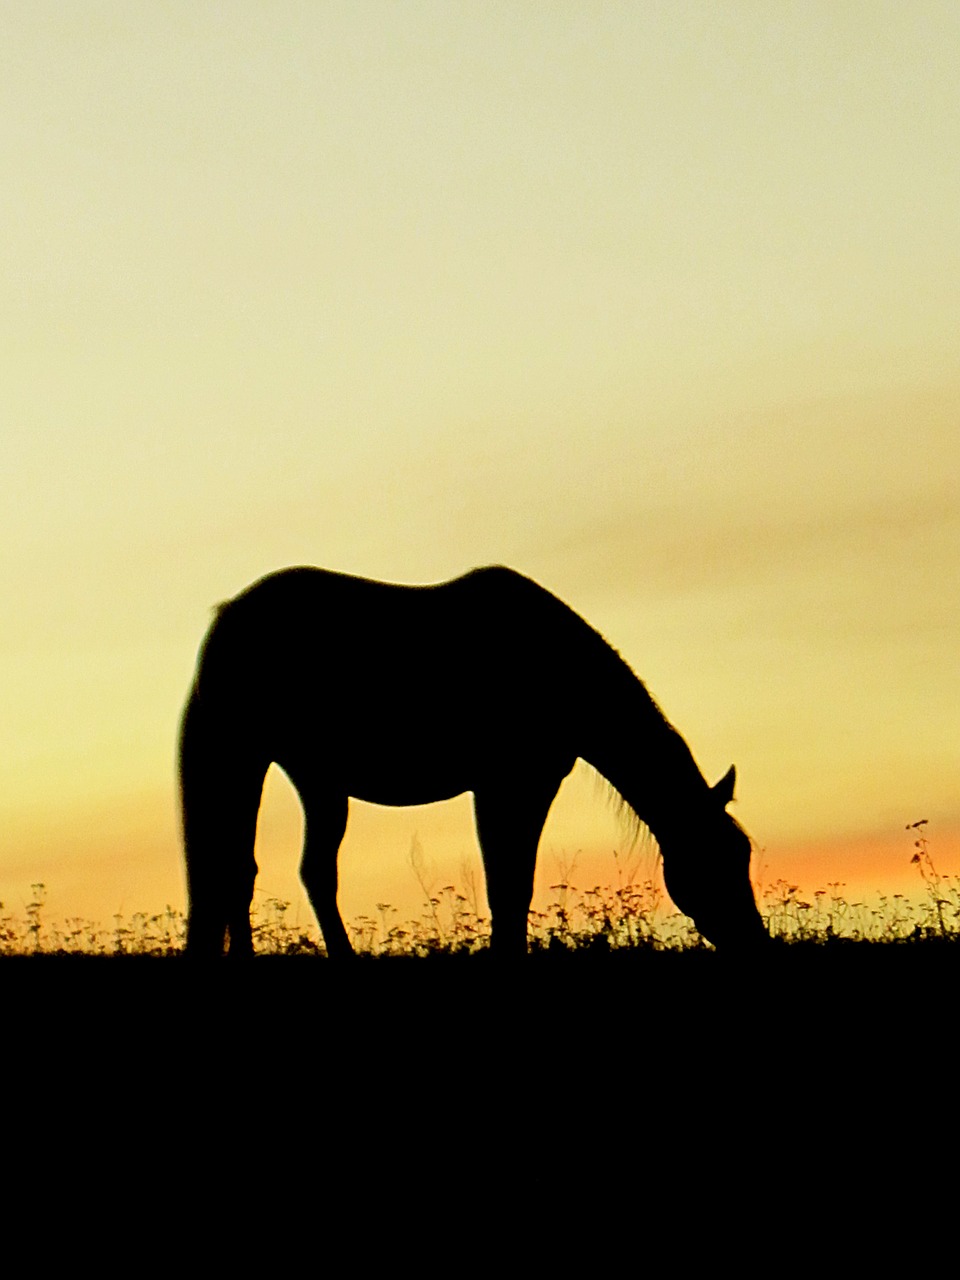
414 723
385 754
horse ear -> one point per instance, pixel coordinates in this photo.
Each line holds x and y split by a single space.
723 789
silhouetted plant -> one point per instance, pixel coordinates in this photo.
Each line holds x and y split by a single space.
8 932
34 908
943 892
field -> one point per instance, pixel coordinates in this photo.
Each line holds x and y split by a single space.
628 918
624 1061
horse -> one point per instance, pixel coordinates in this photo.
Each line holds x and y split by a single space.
403 695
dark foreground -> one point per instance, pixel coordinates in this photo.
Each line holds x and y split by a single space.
382 1029
801 1082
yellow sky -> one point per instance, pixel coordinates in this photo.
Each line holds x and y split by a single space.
657 303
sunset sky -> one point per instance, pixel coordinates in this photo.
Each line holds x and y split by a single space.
658 303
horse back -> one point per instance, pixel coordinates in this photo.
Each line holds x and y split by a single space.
491 638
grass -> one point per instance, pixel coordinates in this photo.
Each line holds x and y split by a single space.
632 916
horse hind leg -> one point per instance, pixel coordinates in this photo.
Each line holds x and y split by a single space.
220 790
221 870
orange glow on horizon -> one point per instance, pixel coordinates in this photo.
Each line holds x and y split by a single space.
129 860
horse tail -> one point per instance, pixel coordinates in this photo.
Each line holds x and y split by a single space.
221 781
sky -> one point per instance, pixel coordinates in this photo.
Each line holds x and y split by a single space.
655 302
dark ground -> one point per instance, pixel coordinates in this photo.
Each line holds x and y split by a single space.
805 1082
399 1030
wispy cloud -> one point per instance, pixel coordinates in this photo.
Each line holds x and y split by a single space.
673 551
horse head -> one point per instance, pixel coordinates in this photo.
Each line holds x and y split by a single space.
706 868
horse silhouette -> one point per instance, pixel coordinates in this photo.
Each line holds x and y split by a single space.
404 695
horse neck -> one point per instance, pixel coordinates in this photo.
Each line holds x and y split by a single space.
644 758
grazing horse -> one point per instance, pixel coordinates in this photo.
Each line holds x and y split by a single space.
403 695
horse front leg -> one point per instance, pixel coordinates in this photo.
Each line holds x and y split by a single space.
509 820
325 821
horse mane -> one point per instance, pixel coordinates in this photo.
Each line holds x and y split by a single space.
633 829
636 709
637 713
